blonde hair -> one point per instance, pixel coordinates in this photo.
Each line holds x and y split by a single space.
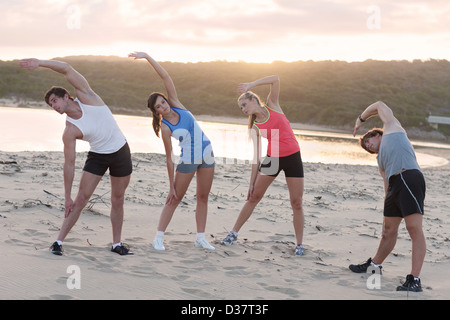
250 95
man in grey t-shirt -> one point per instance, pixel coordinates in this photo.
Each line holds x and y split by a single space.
404 187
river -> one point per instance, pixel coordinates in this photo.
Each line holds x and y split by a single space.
26 129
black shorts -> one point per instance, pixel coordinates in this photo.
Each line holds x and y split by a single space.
119 163
406 194
291 165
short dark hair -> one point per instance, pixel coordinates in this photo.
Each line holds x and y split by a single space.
369 134
57 91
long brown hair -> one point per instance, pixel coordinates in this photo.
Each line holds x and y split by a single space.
156 117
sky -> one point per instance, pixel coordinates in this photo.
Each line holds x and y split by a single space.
231 30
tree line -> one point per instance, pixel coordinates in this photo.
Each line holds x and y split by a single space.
330 93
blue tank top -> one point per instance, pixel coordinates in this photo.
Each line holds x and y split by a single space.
396 154
194 144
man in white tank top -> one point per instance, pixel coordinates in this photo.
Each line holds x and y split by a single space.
89 119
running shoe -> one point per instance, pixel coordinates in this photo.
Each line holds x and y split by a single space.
202 243
56 249
121 249
158 244
299 250
230 239
362 268
410 284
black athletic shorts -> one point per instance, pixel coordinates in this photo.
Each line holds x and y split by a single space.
291 165
119 163
406 194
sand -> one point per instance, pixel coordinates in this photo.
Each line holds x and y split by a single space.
343 213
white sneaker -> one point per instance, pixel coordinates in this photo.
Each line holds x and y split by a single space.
158 244
202 243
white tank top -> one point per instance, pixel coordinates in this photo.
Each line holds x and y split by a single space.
99 128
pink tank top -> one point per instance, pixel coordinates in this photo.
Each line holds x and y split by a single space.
277 130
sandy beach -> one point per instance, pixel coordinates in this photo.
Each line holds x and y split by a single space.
343 212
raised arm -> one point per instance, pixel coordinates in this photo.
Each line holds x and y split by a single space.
274 94
379 108
165 77
82 88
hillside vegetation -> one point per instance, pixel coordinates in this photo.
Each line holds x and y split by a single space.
330 93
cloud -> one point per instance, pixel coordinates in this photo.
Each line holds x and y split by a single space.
210 24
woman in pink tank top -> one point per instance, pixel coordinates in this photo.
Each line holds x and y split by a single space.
283 153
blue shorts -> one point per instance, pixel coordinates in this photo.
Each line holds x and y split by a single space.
192 167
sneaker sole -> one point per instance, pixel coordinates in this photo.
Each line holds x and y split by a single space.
202 247
228 243
401 288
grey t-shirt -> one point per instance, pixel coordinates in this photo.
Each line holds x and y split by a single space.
396 154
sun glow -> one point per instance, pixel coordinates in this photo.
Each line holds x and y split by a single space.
232 30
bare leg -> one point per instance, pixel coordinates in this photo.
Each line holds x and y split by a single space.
296 187
182 181
204 182
414 227
388 238
261 184
118 187
88 183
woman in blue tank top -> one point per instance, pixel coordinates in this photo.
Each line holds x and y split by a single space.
404 187
172 119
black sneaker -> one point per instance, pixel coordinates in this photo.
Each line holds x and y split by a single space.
56 249
122 249
362 268
410 284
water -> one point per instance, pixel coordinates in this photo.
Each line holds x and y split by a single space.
23 129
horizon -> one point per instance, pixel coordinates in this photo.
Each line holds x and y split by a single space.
100 56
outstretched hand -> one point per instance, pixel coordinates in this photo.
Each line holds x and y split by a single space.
243 88
357 126
137 55
29 64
